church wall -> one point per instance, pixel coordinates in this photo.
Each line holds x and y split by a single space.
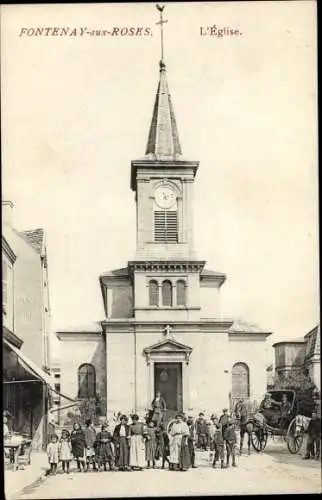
210 301
120 372
74 352
122 301
254 353
207 383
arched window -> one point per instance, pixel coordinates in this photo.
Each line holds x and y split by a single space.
240 381
86 381
153 293
181 293
167 293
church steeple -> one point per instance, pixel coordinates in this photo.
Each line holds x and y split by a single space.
163 142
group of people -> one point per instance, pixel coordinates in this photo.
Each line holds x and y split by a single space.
139 445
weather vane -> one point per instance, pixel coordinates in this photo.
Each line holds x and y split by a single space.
161 22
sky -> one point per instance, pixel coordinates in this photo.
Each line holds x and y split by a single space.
76 110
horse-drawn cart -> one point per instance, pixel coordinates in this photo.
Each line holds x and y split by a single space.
269 422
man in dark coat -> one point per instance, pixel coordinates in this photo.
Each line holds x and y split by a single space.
191 445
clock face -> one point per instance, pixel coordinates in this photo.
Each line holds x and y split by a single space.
165 197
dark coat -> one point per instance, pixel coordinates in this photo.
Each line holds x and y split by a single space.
218 437
230 435
201 426
116 433
103 447
314 428
77 439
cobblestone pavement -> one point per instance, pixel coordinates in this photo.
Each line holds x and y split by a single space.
273 471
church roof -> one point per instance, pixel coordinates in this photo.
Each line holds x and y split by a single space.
163 141
35 238
123 271
241 326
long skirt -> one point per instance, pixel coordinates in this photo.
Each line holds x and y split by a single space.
175 447
150 449
123 452
137 451
184 457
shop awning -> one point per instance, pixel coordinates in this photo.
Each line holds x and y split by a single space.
30 366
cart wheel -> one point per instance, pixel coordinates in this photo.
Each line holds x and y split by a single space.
259 438
294 442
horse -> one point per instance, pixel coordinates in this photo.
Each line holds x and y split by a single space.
301 424
245 426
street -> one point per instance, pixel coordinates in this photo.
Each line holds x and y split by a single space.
273 471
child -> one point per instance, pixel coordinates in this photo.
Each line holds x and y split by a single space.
162 450
65 450
90 437
103 448
52 453
218 444
150 445
231 440
224 419
191 441
201 429
77 439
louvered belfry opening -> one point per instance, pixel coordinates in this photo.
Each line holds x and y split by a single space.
166 226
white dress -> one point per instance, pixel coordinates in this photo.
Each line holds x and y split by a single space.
65 450
137 446
53 453
178 430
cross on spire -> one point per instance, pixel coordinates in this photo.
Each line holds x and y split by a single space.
161 23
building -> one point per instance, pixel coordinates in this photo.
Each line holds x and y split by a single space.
163 328
25 313
300 355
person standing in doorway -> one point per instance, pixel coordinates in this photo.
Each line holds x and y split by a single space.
159 408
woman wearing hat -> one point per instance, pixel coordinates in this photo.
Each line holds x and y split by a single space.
179 452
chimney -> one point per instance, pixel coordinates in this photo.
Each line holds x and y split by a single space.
7 212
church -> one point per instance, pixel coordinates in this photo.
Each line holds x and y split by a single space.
163 329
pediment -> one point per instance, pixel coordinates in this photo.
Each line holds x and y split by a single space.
167 346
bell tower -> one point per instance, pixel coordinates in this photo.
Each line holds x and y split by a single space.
163 183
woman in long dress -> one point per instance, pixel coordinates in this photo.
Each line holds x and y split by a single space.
179 452
137 444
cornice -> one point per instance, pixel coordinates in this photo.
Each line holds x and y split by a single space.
194 266
141 326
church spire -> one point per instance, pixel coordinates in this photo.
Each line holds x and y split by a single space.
163 142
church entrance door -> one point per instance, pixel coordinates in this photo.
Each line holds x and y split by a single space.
168 381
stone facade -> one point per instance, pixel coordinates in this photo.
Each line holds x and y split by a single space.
163 328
